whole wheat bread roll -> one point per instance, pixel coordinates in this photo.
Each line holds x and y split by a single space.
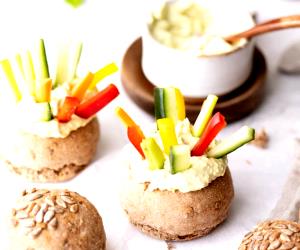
55 219
177 216
51 159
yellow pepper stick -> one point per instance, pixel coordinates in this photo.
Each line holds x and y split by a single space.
204 115
81 87
20 64
29 72
124 117
8 71
102 73
180 105
167 133
43 91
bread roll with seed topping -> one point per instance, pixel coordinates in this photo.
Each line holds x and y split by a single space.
56 219
43 159
177 216
273 234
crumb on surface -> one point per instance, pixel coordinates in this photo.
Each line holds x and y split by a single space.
248 162
170 246
261 139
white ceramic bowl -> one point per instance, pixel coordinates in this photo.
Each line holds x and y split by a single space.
198 76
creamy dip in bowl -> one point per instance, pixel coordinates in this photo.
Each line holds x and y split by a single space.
184 46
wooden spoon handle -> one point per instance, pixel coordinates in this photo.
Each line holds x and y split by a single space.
268 26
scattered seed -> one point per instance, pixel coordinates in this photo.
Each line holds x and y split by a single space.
14 222
279 226
67 199
27 223
22 215
13 212
35 210
33 196
287 246
44 207
50 201
59 210
74 208
264 245
61 203
294 228
30 207
274 245
36 232
53 223
31 190
39 216
21 206
48 216
284 237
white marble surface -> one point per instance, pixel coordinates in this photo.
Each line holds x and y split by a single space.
107 28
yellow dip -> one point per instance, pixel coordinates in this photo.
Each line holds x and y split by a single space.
203 170
198 26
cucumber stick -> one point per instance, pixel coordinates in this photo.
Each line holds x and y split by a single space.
204 115
42 63
233 142
179 158
169 103
29 71
159 103
153 153
67 63
42 111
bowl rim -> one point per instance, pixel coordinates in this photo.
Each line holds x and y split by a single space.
183 52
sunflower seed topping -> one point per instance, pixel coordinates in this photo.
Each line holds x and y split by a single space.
50 201
33 196
35 210
273 235
53 223
21 206
39 216
39 210
22 215
67 199
36 232
27 223
48 216
61 203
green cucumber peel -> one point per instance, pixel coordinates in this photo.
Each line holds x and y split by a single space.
232 143
159 103
43 62
179 158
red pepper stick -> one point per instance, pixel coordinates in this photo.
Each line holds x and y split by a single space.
136 136
215 125
68 108
100 100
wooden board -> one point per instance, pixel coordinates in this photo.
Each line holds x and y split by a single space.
234 106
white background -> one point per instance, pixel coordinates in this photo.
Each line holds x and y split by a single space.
107 29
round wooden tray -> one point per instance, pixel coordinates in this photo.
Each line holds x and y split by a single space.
234 106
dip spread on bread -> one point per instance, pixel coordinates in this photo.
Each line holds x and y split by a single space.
202 169
51 106
178 155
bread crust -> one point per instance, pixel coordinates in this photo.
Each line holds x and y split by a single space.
51 159
81 229
177 216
